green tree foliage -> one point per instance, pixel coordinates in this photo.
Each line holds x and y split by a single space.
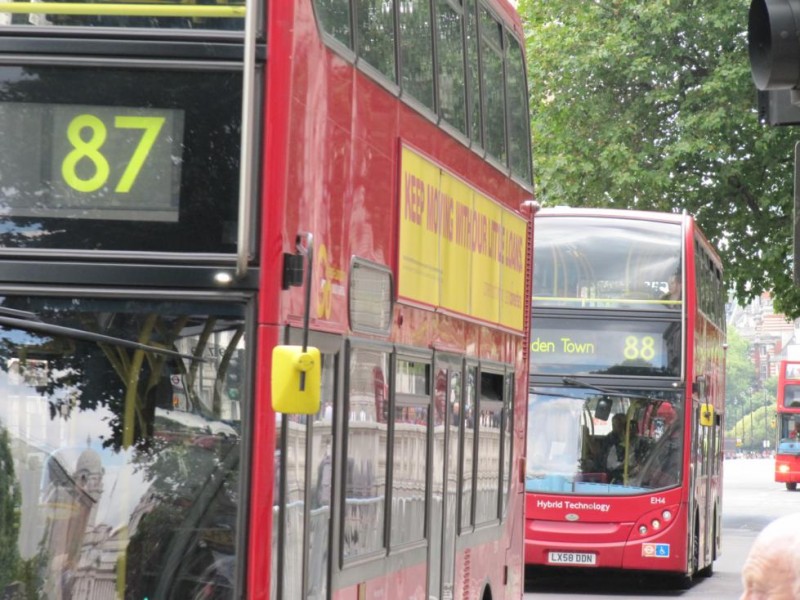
755 429
740 375
749 409
650 105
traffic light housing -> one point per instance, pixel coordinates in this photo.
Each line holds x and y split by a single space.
774 45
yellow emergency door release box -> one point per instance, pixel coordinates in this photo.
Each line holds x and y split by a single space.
296 380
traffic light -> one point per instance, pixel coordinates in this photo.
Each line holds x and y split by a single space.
774 47
773 44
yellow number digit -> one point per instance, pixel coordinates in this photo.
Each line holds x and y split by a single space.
151 127
631 351
648 347
85 150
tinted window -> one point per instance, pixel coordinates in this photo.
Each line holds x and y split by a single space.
376 35
410 451
474 99
365 461
452 84
490 447
493 85
416 50
467 416
519 140
334 17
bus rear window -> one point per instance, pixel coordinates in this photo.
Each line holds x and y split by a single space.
119 159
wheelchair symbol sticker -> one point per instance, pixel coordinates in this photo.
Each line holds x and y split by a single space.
655 550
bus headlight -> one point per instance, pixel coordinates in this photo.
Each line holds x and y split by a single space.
667 515
656 524
783 468
643 529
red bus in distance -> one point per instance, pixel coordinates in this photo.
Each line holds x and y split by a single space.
265 298
625 415
787 453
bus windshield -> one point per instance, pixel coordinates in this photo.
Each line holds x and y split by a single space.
607 263
789 432
578 442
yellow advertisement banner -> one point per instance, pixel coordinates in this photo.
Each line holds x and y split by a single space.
459 250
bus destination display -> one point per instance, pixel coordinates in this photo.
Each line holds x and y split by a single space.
90 162
605 348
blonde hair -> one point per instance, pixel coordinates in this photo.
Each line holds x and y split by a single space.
783 535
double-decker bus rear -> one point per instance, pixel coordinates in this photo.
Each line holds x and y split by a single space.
787 453
264 299
624 424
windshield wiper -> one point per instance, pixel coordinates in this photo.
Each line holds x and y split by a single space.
617 393
35 325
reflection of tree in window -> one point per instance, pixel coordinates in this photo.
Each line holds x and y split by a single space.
518 126
334 17
416 50
493 85
376 35
450 49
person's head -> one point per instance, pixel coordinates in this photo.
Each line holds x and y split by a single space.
674 286
772 568
618 423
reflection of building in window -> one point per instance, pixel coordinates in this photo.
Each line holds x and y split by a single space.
365 467
490 417
31 372
70 504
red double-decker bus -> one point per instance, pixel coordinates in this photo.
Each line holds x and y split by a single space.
787 453
264 299
625 421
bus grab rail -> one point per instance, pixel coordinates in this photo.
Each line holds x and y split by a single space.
124 10
248 139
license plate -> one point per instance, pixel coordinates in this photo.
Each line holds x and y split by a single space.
572 558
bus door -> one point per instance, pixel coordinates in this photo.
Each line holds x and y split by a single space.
444 514
710 470
703 490
301 541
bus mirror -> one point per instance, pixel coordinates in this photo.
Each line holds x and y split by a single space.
296 379
603 409
706 415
